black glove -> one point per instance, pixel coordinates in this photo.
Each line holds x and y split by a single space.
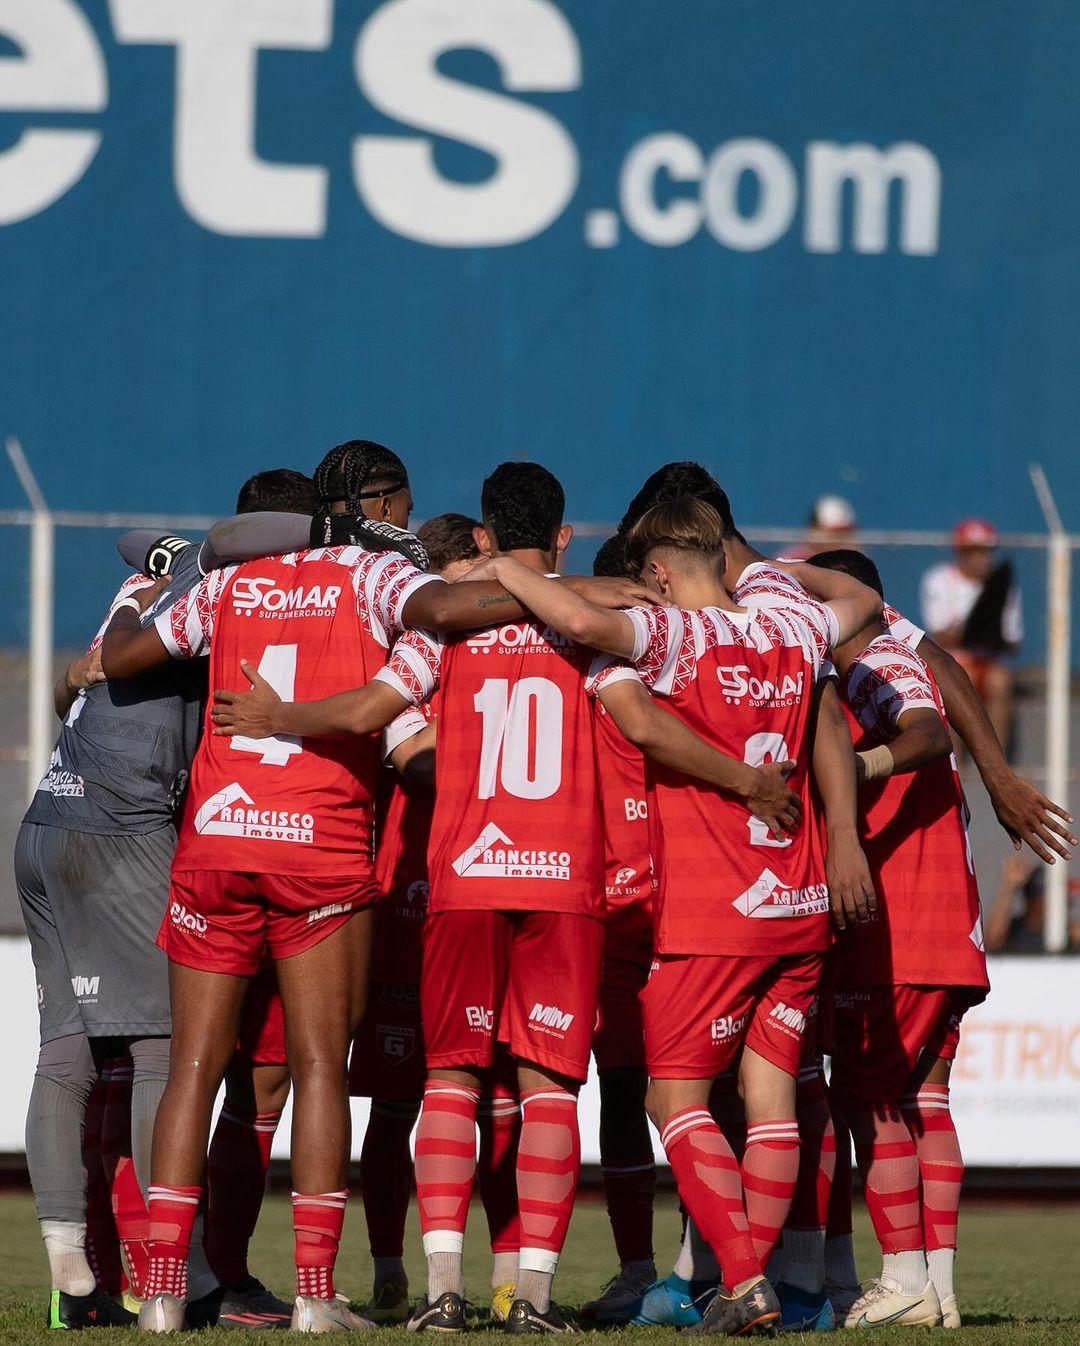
347 530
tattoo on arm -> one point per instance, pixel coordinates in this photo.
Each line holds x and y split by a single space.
490 600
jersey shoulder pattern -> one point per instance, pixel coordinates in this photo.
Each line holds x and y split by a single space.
885 680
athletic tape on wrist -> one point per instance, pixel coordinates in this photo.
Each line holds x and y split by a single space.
877 762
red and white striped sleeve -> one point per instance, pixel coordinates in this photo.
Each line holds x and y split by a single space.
187 627
384 583
886 680
414 666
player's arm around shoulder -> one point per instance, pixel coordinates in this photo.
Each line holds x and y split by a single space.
854 605
565 608
127 647
260 712
851 889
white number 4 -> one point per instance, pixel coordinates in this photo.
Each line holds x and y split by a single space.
278 667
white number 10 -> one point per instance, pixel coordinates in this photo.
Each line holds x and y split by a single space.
278 667
522 737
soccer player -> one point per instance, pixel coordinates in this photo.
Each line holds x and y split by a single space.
275 854
92 863
626 1154
1025 813
744 679
904 980
387 1061
513 940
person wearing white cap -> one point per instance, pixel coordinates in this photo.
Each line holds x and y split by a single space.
832 524
971 606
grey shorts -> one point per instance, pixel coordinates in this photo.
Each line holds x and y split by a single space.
92 906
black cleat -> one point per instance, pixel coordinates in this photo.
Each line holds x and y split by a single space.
249 1304
72 1313
755 1312
447 1314
200 1313
523 1319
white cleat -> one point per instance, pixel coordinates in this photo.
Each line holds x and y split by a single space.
950 1312
162 1313
883 1304
327 1315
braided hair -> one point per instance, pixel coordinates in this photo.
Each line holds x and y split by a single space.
358 470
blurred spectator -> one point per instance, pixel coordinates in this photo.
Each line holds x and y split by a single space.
832 524
1014 923
971 606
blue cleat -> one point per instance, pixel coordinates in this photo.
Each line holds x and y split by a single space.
674 1302
802 1311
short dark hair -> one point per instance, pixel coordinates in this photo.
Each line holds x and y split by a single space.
673 481
356 470
522 505
449 538
281 489
687 524
610 560
851 562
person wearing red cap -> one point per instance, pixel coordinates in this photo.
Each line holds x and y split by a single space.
971 606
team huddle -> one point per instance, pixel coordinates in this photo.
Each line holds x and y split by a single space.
338 808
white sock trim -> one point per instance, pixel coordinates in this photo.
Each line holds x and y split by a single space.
443 1241
538 1259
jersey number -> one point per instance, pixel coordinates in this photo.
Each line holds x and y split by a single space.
762 748
522 737
278 667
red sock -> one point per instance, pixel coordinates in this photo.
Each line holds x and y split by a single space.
445 1163
235 1184
941 1164
548 1167
769 1168
887 1161
132 1224
630 1192
317 1224
838 1224
499 1120
102 1244
710 1185
386 1174
172 1212
817 1156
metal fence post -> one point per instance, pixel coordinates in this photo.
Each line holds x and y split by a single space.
40 714
1058 599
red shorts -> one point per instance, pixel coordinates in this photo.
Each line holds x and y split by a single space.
620 1031
262 1024
388 1050
878 1033
222 922
529 979
700 1010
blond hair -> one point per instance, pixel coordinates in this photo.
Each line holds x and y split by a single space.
686 525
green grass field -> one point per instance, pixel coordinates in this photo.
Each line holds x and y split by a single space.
1019 1277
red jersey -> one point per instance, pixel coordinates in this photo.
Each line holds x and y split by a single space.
928 925
629 883
744 682
401 842
516 793
315 623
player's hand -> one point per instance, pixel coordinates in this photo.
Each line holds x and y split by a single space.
851 889
612 592
779 808
248 713
482 570
1029 817
85 671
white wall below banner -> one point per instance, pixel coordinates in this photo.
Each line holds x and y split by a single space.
1015 1089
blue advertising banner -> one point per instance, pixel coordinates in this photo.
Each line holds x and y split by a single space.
821 247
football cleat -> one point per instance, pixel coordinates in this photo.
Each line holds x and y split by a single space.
131 1302
249 1304
950 1312
524 1320
502 1298
801 1311
162 1313
447 1314
71 1313
674 1302
621 1297
314 1315
883 1304
203 1312
755 1311
389 1305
